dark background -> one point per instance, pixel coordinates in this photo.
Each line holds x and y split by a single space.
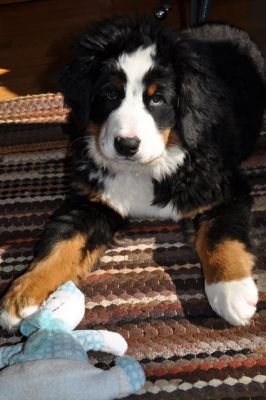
36 36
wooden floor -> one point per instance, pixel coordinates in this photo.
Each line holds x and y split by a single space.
36 36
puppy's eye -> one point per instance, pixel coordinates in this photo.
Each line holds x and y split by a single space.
156 100
111 94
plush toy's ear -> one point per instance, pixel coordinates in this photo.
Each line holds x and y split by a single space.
39 320
42 319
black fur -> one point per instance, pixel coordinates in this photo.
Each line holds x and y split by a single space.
164 116
213 80
97 222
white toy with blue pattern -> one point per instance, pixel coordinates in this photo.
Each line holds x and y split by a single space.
53 364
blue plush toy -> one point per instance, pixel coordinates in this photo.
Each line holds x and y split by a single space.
53 363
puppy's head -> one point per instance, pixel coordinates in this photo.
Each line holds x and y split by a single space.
131 91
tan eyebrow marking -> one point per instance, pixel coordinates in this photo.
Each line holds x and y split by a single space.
152 89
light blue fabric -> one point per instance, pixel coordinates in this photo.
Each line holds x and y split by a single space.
62 380
70 287
7 352
89 339
133 371
44 344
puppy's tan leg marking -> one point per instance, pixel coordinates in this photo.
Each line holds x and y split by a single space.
225 261
227 268
69 260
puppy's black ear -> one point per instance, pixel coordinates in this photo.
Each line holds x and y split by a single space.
198 91
76 81
78 78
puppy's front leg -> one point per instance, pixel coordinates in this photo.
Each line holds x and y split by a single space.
223 247
69 248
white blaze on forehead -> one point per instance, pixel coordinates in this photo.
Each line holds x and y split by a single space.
136 65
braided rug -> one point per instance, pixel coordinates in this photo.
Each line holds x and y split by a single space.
149 286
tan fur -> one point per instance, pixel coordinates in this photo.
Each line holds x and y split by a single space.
94 129
69 260
170 137
83 189
152 89
192 214
227 261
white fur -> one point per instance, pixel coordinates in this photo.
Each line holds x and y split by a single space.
27 311
131 118
130 189
235 300
170 160
132 195
8 321
137 64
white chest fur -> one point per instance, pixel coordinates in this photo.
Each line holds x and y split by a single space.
132 195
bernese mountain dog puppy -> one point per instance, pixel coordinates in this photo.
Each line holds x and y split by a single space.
163 122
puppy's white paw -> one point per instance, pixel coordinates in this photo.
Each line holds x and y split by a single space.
11 321
23 298
235 301
8 320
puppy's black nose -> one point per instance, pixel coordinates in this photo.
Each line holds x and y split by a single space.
127 146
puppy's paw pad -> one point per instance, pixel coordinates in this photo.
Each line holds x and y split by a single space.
235 301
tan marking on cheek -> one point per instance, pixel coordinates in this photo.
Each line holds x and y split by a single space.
166 133
94 129
69 260
227 261
170 137
152 89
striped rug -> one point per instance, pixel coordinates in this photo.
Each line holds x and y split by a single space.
149 286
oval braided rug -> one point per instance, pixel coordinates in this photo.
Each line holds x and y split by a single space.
149 286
